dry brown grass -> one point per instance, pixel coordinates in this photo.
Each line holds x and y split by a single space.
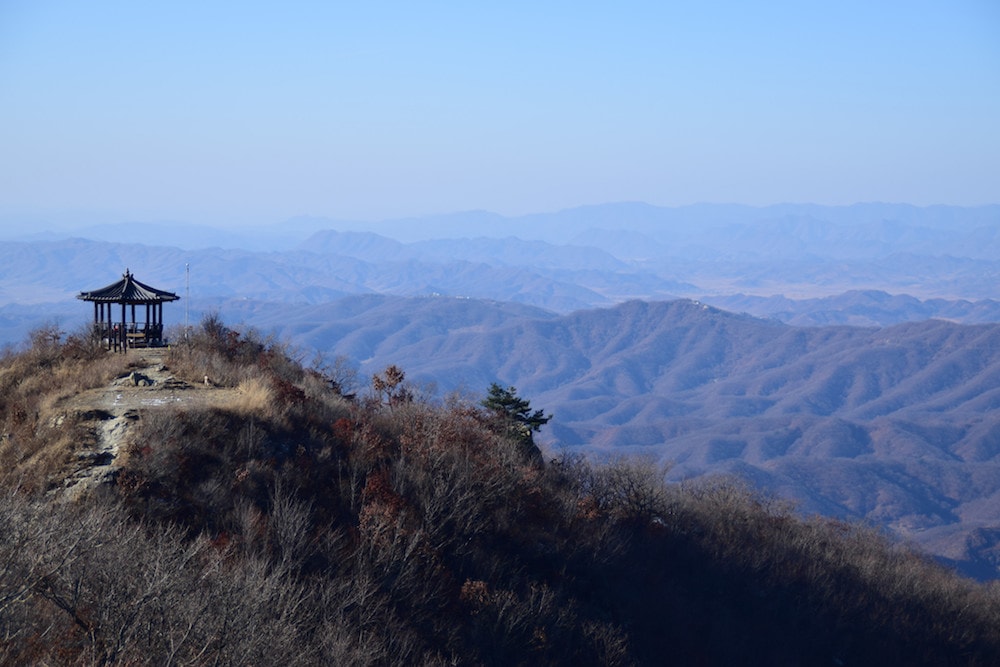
254 396
38 436
42 466
227 357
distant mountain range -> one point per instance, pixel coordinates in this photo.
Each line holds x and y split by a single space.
714 337
860 308
762 260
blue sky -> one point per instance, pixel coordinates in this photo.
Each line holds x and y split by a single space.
246 112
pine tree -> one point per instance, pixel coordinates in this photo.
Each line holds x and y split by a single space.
515 411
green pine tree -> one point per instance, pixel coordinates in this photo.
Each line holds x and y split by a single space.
515 412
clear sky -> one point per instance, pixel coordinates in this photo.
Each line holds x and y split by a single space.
226 112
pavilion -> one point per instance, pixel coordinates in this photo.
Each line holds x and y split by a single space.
127 331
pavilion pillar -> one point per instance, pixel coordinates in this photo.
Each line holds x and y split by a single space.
96 330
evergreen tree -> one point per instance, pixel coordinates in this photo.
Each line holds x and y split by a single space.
515 411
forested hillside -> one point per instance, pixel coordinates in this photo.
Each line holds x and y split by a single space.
263 512
895 425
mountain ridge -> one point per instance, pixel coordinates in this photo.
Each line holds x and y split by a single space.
803 411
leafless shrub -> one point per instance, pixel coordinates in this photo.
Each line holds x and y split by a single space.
629 488
389 387
609 641
339 375
289 530
461 477
223 354
108 592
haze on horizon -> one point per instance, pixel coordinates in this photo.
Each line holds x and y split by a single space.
226 113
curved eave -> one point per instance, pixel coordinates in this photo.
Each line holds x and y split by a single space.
128 291
89 296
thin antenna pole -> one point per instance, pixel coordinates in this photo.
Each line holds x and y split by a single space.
187 298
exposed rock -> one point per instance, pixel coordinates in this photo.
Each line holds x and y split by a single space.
173 383
140 380
94 414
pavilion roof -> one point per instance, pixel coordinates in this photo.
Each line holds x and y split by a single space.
128 290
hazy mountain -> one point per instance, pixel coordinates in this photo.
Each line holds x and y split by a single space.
860 230
361 245
619 252
860 308
282 236
801 264
508 251
54 271
807 250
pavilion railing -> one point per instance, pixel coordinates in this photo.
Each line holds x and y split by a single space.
133 334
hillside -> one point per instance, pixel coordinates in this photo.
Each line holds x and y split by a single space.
895 425
263 517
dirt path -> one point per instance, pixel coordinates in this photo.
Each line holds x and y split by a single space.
109 414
